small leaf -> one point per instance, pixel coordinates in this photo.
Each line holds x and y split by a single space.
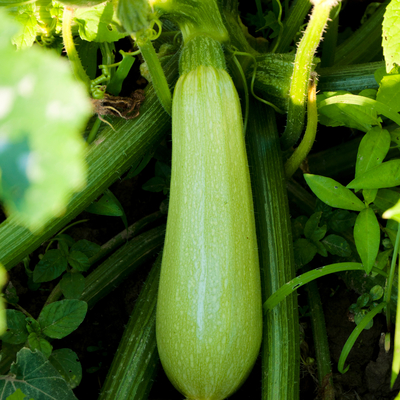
376 292
163 170
321 249
32 325
63 247
384 175
105 206
61 318
78 260
359 317
50 267
337 245
139 166
304 252
10 294
72 285
341 220
333 193
363 300
66 362
66 238
298 225
36 377
16 328
312 231
86 247
383 258
386 199
38 343
367 238
155 184
372 150
369 195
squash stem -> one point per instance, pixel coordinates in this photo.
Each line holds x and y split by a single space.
280 353
302 69
304 148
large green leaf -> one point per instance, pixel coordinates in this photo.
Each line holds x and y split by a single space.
381 176
367 238
390 35
36 377
72 285
50 267
42 110
97 24
61 318
389 91
333 193
372 150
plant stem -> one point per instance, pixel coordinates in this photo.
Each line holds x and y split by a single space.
293 22
320 342
365 43
304 148
388 291
70 48
94 130
280 353
302 69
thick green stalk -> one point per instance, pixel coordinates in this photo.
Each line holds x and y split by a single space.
119 265
352 78
302 69
280 354
320 342
292 24
109 156
365 43
136 360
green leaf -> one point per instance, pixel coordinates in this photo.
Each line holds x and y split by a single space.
66 238
50 267
383 258
63 247
86 247
32 325
376 292
304 252
78 260
390 35
363 300
386 199
337 245
10 294
105 206
369 195
97 24
360 316
16 328
43 109
389 91
367 238
361 118
381 176
17 395
36 342
321 249
27 35
372 150
134 14
139 166
312 231
72 285
333 193
36 377
163 170
155 184
342 220
298 225
66 362
61 318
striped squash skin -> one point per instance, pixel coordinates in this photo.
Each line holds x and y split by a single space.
209 314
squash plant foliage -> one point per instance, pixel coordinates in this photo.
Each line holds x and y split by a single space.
70 127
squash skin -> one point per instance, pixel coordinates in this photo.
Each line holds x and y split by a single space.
209 312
